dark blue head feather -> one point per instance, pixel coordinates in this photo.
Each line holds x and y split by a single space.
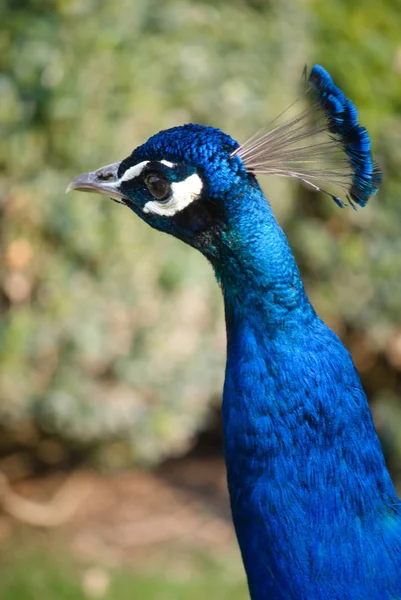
207 148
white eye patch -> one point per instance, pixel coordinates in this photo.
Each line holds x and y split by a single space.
183 193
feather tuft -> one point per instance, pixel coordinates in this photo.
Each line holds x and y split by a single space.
323 145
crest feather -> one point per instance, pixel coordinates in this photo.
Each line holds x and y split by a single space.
322 145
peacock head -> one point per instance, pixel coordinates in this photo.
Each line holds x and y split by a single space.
196 182
180 182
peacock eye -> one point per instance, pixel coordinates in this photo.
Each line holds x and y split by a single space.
157 186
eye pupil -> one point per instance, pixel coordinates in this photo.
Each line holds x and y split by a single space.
157 186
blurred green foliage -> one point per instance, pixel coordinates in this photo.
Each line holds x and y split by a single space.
110 333
46 576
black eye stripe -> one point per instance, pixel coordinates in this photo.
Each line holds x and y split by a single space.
155 166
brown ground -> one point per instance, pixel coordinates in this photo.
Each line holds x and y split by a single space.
125 517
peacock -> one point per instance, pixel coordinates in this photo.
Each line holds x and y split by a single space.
314 508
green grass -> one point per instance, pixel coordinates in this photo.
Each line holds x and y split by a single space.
46 576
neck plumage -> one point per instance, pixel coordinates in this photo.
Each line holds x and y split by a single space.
257 270
300 445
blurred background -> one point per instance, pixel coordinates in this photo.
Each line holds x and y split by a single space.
112 340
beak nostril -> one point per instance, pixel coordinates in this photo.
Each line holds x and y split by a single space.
105 176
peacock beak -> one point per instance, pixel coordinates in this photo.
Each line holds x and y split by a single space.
102 181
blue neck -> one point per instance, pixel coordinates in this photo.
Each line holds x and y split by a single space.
257 270
300 446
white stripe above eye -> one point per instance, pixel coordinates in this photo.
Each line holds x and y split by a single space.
183 193
134 171
167 163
